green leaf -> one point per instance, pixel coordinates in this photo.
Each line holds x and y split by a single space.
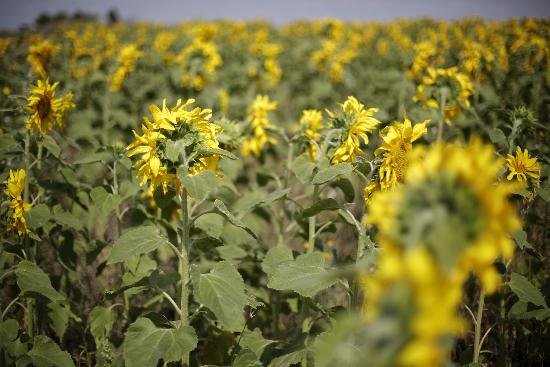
347 188
46 353
258 198
200 185
255 341
319 206
289 359
496 135
306 275
51 145
32 279
222 209
59 314
101 323
331 172
211 224
246 358
38 216
521 239
303 168
274 257
95 157
222 291
136 241
65 218
8 332
231 252
105 201
220 152
145 344
526 291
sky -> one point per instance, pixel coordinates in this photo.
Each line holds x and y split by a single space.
14 13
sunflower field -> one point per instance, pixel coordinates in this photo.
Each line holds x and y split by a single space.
241 194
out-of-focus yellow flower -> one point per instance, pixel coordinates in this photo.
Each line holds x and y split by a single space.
40 56
5 42
44 110
396 147
523 167
425 55
312 121
17 206
127 58
223 98
258 116
6 90
361 122
162 43
456 87
266 52
211 60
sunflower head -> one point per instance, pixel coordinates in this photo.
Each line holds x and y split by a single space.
177 138
15 187
40 56
44 110
523 168
259 124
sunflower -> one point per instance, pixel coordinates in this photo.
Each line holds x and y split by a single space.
259 122
17 207
458 87
44 110
396 148
165 134
356 123
523 167
40 56
127 58
450 217
312 121
211 60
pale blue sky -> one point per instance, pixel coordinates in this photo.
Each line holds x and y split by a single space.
14 13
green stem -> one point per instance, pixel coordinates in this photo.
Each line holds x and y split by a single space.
442 101
29 309
311 236
184 267
479 318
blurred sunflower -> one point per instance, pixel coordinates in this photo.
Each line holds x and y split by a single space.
40 56
523 168
17 207
311 122
259 122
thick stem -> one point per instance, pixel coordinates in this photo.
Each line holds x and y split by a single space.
479 318
184 267
29 309
442 102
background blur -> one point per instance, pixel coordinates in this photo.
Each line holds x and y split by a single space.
15 13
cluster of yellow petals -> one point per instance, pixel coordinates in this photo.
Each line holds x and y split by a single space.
149 164
523 168
127 58
266 51
212 61
312 121
17 206
362 123
453 104
259 122
40 56
396 148
437 290
44 110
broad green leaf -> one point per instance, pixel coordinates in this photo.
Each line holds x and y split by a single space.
162 280
526 291
65 218
222 291
289 359
220 152
319 206
274 257
32 279
136 241
145 344
521 239
94 158
258 198
306 275
332 172
38 216
246 358
303 167
222 209
46 353
200 185
101 323
8 331
211 224
255 341
105 201
51 145
347 188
